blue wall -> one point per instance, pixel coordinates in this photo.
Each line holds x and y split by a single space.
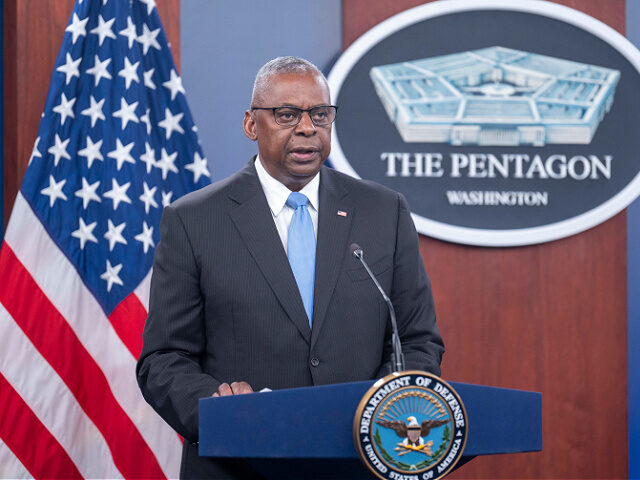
633 287
223 44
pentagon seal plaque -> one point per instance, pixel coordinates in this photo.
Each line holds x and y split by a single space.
410 426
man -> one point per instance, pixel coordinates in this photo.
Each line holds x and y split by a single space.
244 297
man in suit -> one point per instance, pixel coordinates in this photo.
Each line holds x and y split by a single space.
244 297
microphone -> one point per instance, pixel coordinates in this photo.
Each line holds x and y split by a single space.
397 359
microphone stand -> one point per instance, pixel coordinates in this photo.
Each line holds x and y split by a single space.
397 358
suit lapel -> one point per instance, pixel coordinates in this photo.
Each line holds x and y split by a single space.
253 220
336 212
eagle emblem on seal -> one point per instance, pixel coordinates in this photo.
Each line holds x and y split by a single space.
413 434
410 424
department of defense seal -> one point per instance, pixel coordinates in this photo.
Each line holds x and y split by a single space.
410 426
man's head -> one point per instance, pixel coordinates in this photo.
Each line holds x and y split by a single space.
291 154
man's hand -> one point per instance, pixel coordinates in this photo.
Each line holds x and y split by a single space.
236 388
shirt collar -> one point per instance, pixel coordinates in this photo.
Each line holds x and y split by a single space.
277 193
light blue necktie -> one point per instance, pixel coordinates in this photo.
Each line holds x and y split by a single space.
301 249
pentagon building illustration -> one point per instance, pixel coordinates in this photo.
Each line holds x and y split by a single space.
495 96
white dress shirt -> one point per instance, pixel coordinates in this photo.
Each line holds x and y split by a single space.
277 195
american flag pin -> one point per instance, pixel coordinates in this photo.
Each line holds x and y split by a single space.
341 213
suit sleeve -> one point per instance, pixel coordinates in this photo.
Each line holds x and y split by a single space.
169 370
411 296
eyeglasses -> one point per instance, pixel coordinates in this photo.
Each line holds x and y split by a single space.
321 116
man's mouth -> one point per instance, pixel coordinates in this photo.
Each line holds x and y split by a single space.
303 153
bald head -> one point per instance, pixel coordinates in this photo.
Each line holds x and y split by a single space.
279 66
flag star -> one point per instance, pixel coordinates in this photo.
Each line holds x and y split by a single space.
54 190
126 112
145 119
114 234
174 84
84 233
77 28
194 129
129 32
166 198
59 150
70 68
88 193
148 82
94 111
64 108
166 163
111 275
171 122
118 193
150 4
91 151
145 237
147 198
103 30
99 69
198 167
35 152
148 157
129 72
122 154
148 38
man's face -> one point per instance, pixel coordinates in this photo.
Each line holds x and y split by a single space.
292 155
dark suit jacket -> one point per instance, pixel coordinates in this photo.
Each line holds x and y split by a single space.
225 306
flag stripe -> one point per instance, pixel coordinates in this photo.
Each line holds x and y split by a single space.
143 290
18 428
128 321
62 349
60 282
10 466
53 403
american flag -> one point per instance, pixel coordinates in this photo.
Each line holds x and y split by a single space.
115 145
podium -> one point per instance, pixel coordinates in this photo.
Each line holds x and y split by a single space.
308 432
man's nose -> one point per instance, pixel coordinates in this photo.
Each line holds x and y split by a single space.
305 125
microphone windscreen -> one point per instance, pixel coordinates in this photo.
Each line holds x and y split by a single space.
354 247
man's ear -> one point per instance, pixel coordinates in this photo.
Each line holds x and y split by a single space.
249 126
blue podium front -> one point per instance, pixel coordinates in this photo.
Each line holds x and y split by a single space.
308 432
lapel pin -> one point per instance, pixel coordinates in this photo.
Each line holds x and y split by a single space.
341 213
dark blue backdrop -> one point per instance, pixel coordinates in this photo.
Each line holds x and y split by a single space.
633 287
